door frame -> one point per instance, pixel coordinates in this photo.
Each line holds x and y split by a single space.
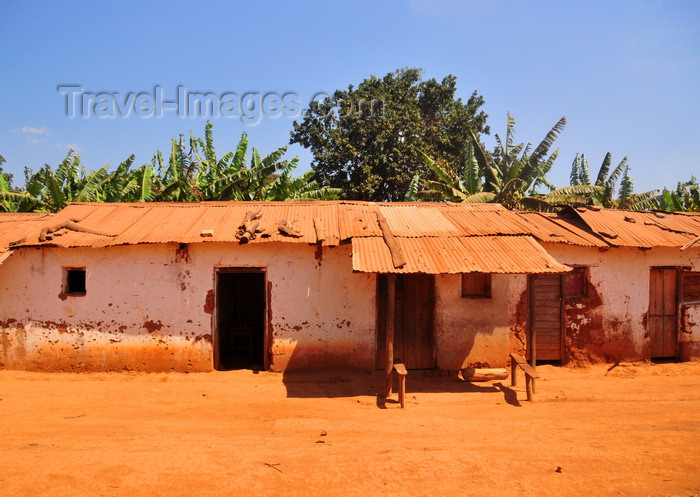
532 344
679 289
219 269
379 337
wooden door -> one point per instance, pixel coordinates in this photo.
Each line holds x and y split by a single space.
663 320
546 315
413 325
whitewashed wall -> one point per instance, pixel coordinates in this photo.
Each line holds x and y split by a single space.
146 307
476 332
611 325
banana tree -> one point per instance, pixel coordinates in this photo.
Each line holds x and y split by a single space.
685 198
197 174
71 182
512 172
613 190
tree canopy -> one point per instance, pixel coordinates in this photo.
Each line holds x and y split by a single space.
369 141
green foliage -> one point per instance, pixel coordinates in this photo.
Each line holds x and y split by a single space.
509 174
608 185
192 173
12 200
685 198
368 140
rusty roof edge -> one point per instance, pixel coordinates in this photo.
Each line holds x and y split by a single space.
690 244
537 248
564 225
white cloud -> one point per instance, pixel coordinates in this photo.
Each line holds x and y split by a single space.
31 130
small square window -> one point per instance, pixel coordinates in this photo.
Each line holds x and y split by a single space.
74 281
476 285
575 282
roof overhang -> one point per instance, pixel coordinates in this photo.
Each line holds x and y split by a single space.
451 255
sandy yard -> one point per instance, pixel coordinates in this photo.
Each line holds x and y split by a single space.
631 430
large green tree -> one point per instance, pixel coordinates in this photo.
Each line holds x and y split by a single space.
368 141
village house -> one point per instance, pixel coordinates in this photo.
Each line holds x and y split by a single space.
306 285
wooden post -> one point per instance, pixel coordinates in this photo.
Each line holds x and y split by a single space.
390 310
529 386
401 373
513 369
533 338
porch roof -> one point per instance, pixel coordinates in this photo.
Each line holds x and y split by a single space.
448 255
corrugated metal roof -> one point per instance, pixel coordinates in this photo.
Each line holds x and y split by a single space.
450 255
357 219
137 223
418 220
184 223
550 227
434 237
482 221
16 226
641 229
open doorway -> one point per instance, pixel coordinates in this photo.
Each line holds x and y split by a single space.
240 319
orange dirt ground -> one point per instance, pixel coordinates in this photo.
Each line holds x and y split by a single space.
631 430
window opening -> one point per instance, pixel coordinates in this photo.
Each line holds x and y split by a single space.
476 285
575 282
74 281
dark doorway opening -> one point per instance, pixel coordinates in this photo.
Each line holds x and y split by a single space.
240 319
414 341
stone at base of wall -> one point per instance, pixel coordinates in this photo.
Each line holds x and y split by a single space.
689 351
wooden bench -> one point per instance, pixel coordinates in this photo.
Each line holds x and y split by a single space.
518 361
401 371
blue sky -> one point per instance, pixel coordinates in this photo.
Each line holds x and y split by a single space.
626 74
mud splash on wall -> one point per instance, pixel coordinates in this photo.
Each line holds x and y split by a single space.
59 346
589 337
689 336
517 336
209 302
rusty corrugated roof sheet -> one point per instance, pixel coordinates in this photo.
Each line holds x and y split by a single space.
641 229
137 223
433 237
550 227
479 220
450 255
16 226
416 220
143 223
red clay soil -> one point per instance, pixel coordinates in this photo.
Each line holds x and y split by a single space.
633 430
